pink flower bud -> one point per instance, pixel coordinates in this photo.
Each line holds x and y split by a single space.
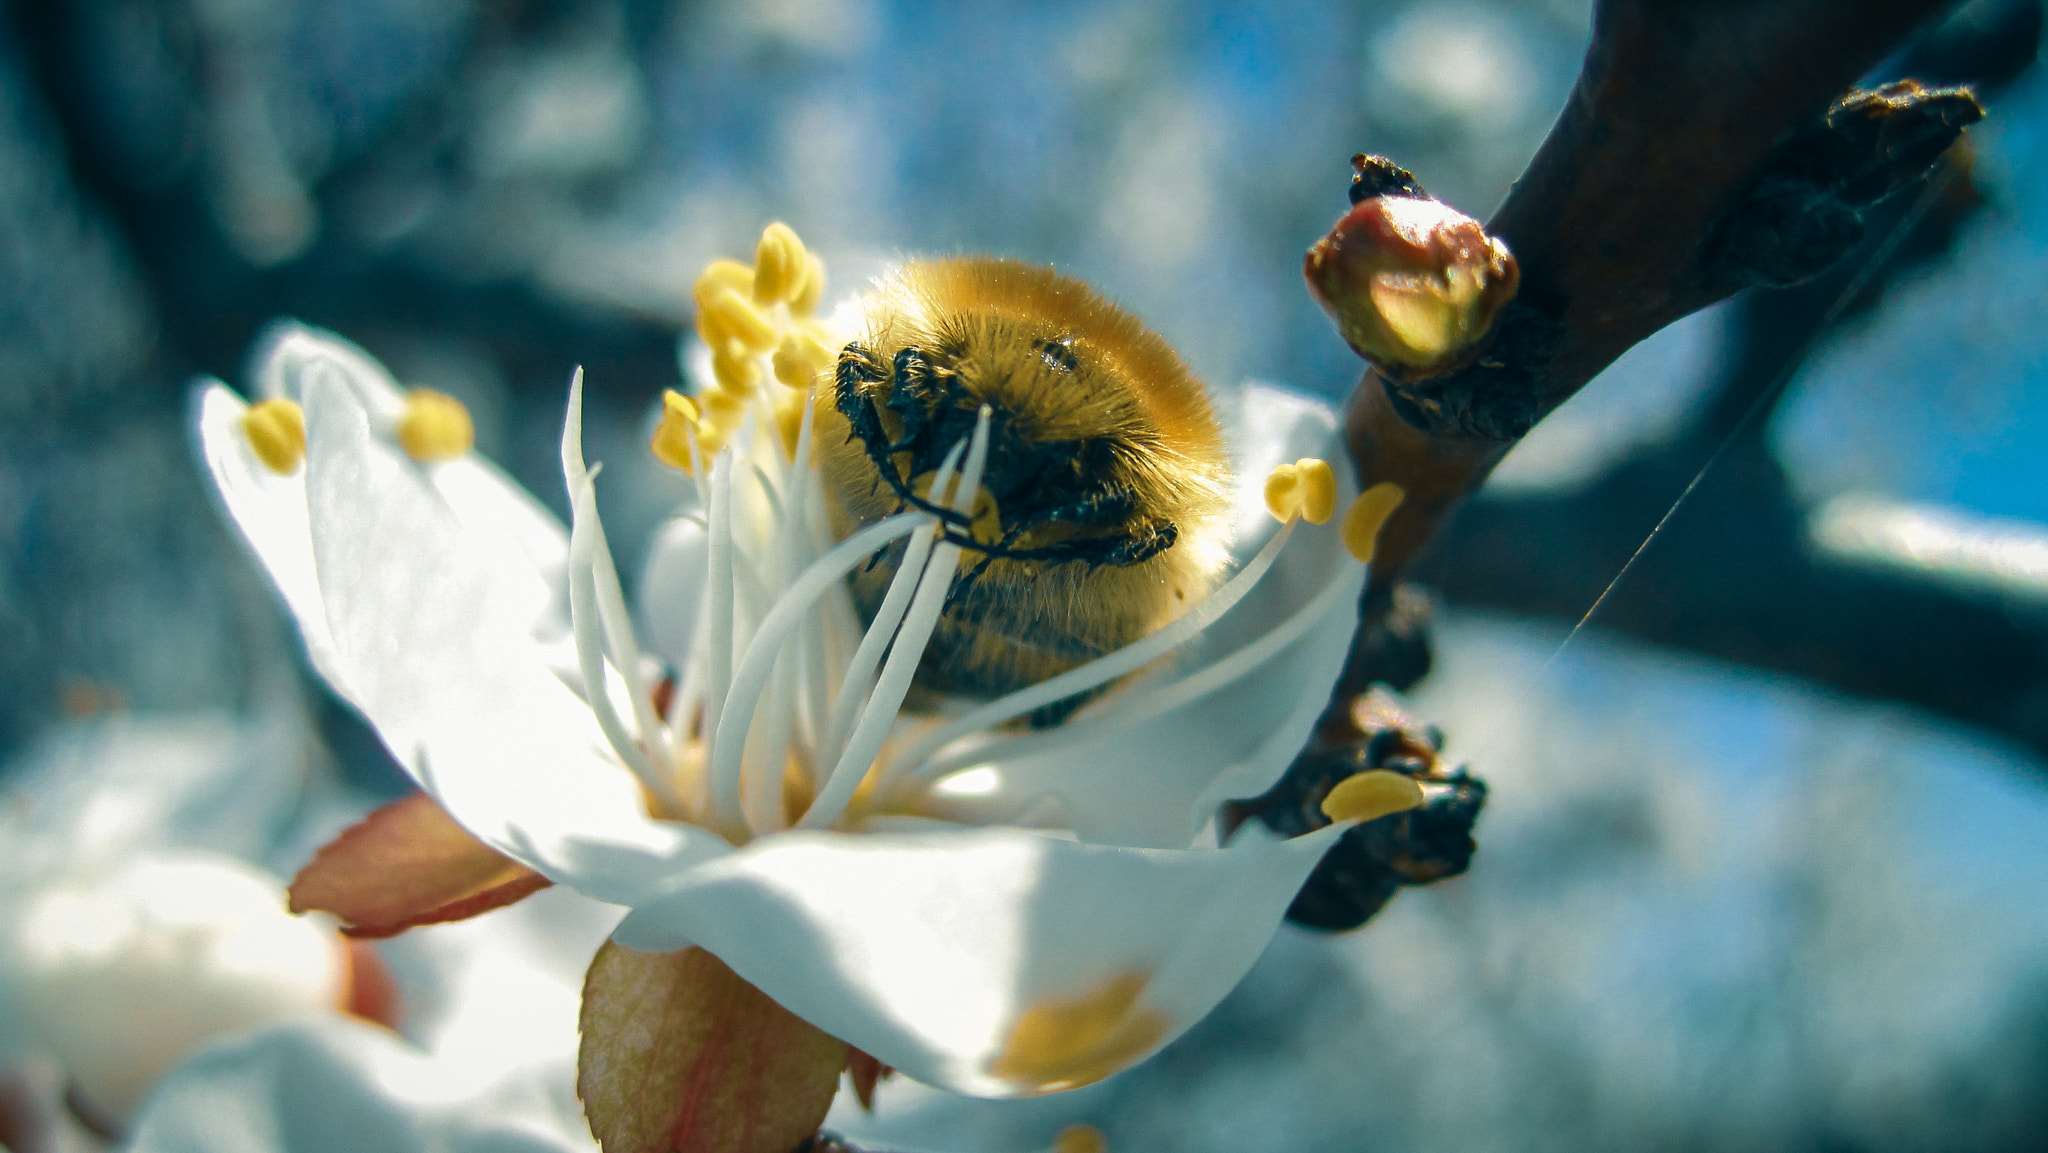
1412 283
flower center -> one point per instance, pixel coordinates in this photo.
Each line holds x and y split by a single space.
789 708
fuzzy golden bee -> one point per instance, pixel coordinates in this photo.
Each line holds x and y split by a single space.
1104 502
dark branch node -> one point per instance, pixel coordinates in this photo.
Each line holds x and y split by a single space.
1805 211
1496 397
1394 647
1378 176
1372 862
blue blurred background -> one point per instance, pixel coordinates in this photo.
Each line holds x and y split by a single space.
1771 871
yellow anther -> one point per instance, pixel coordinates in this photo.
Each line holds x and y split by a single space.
799 359
1080 1139
805 300
680 417
1318 490
1365 796
713 330
1307 489
720 275
1283 492
778 265
735 374
276 429
722 410
1361 530
789 419
733 314
435 426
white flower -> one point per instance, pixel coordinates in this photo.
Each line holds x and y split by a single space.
131 935
991 910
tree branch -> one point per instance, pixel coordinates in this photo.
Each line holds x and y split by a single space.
1680 108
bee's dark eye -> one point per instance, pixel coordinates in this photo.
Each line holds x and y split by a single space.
1059 354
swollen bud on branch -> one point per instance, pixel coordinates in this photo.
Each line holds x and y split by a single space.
1412 283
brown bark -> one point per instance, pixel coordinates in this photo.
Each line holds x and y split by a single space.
1677 111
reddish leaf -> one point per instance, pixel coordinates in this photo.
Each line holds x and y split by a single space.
681 1055
865 1072
408 864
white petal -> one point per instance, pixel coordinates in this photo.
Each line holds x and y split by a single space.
926 949
290 354
293 355
124 975
337 1086
672 588
1157 782
270 510
431 628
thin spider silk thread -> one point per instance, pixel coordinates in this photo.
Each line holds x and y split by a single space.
1935 187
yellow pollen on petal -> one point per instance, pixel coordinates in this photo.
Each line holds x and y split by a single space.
276 429
680 417
1365 796
807 297
779 265
720 275
1064 1043
735 314
1362 522
799 359
435 427
1080 1139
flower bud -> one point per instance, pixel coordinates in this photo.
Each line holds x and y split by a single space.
1412 283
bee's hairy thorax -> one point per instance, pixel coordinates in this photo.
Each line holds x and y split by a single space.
1102 488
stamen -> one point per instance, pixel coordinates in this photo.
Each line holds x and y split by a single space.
737 716
799 360
718 634
1142 704
736 375
588 564
1367 515
1307 488
779 265
276 429
1080 1139
806 299
434 427
904 655
1109 667
720 275
1370 795
671 444
860 672
736 315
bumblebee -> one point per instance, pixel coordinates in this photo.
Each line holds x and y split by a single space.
1104 499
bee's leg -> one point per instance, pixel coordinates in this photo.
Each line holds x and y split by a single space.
857 369
910 400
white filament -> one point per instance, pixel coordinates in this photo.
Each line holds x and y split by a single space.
904 654
1140 705
1105 668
